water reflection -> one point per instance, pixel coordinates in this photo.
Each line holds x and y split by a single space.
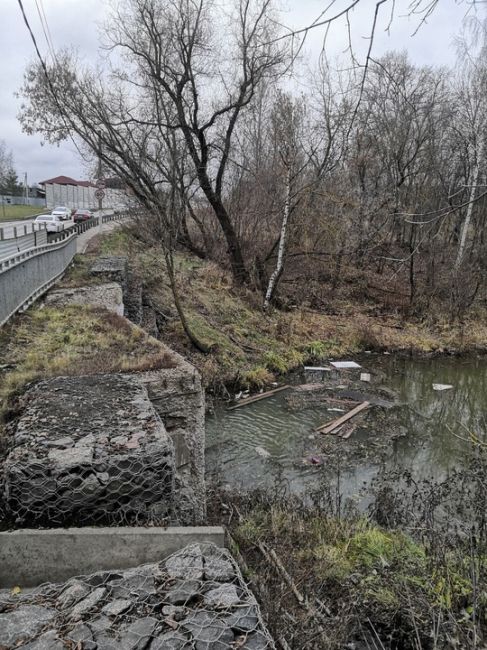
436 424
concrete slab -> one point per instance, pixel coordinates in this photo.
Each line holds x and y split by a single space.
30 557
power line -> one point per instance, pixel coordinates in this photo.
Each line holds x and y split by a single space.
45 28
48 79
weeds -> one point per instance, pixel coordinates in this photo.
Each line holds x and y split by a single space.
73 340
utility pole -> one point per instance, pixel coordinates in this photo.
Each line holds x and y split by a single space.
100 184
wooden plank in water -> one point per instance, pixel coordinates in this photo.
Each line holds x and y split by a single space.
330 426
256 398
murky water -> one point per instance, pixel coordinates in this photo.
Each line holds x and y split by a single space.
258 444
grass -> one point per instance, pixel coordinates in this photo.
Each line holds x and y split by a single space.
362 573
73 340
19 212
250 348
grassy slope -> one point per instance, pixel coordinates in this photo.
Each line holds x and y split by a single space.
75 340
18 212
250 348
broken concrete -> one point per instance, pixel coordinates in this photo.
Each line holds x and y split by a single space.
178 397
88 450
109 296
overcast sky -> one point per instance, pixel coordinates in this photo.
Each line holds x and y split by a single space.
74 23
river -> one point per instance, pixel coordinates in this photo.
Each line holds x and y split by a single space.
268 441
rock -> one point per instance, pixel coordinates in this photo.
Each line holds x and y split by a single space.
186 564
176 613
217 567
224 596
108 295
73 457
81 634
139 585
170 641
137 635
208 632
88 603
47 641
257 641
72 595
244 619
183 592
116 607
23 623
60 442
100 624
92 481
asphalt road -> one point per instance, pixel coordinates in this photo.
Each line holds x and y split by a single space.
8 227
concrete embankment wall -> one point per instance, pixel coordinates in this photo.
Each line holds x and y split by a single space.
32 557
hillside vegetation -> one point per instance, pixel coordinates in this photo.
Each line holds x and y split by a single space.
250 348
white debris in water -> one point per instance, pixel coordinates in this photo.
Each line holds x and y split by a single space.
336 410
365 376
442 386
342 365
262 452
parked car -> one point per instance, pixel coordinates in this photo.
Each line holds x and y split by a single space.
82 215
63 212
53 222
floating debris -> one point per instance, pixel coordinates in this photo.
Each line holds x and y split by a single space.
314 460
259 396
442 386
344 365
262 452
330 427
365 376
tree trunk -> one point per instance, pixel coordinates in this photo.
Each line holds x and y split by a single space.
274 279
199 345
468 216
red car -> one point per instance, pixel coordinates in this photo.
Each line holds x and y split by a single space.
82 215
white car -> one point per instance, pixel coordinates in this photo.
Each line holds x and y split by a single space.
53 222
63 212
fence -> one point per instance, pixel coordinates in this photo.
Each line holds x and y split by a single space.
22 242
8 199
26 275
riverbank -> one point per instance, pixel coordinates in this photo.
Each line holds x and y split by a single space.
328 578
250 349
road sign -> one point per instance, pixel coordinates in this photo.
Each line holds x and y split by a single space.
99 194
100 183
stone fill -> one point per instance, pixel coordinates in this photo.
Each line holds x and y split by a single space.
88 450
135 609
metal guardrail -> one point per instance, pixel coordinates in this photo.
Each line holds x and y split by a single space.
17 244
21 229
26 275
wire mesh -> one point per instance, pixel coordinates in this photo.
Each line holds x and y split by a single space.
91 450
194 599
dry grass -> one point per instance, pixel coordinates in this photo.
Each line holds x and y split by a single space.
73 340
250 348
